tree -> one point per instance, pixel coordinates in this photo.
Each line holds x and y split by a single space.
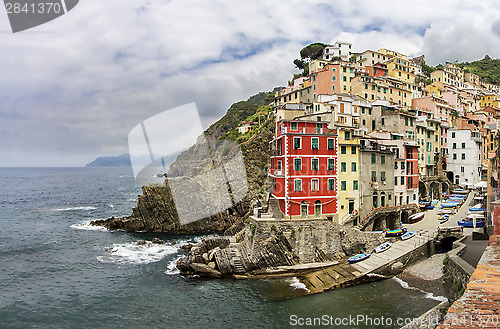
312 51
299 63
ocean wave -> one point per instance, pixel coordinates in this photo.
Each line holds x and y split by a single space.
429 295
133 253
75 208
85 225
171 268
296 284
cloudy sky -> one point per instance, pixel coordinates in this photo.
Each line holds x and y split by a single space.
72 89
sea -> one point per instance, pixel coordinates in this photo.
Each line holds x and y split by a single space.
56 271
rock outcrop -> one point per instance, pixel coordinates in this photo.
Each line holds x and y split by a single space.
268 244
156 210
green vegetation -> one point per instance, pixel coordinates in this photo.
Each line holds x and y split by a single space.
487 68
238 112
309 53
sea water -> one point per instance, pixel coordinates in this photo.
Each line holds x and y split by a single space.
56 271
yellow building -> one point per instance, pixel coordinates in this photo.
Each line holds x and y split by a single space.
490 100
399 68
372 89
437 87
450 74
349 169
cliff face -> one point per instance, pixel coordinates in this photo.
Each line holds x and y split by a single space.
156 210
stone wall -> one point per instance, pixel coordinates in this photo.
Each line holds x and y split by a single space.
458 268
311 240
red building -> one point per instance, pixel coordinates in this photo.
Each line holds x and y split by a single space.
411 157
304 169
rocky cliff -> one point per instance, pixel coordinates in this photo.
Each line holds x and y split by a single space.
156 210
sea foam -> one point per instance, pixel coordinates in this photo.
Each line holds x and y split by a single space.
429 295
133 253
296 284
75 208
85 225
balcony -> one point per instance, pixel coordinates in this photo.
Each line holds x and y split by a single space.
309 131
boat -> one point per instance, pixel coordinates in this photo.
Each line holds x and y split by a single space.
469 223
444 218
416 217
383 247
358 258
397 232
429 207
408 235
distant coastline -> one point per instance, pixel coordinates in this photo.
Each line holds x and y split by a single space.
111 161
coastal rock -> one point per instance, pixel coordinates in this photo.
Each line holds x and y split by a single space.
156 212
158 241
205 270
398 266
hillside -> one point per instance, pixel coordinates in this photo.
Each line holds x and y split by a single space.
487 68
111 161
237 113
156 210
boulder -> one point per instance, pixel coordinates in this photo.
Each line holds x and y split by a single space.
205 270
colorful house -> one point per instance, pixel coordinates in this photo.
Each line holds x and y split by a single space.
304 169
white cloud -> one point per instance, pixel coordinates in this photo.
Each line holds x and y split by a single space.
73 88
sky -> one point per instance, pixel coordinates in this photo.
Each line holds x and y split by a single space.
72 89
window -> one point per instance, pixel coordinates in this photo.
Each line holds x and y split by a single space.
454 156
402 180
383 121
382 159
331 143
343 149
355 185
297 185
279 165
462 169
314 164
374 176
463 145
374 158
343 167
347 135
297 164
314 143
353 166
296 143
331 184
406 121
395 165
293 125
402 165
343 185
314 184
452 135
463 156
331 164
353 149
382 175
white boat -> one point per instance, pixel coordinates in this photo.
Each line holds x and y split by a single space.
416 217
383 247
408 235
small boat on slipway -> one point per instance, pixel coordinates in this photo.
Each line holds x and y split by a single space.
416 217
408 235
397 232
383 247
443 218
358 258
469 223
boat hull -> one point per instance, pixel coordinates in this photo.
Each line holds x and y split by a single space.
467 223
358 258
